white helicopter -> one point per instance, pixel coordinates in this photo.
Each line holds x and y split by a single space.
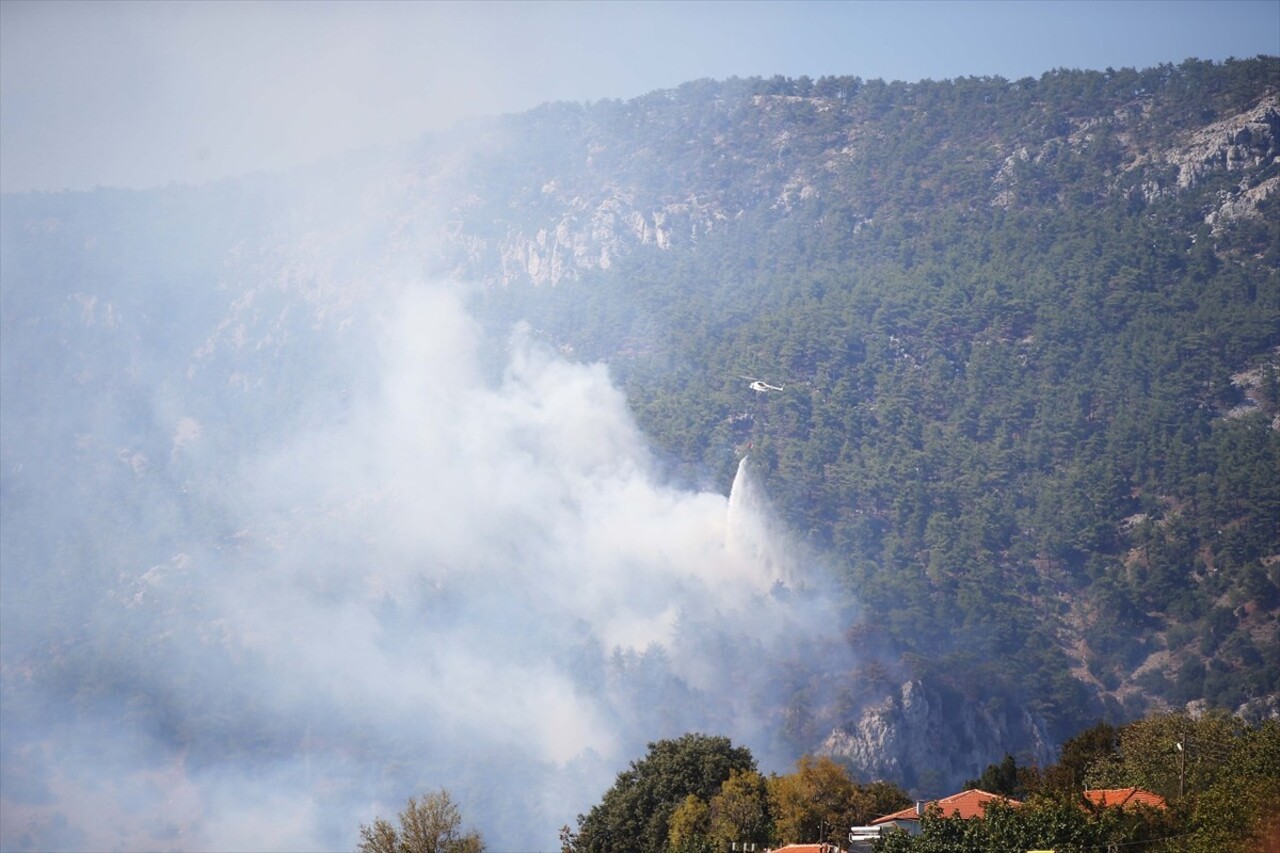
760 386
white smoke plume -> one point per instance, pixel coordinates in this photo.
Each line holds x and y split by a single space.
462 579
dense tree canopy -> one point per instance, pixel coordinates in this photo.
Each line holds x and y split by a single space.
820 801
635 814
704 795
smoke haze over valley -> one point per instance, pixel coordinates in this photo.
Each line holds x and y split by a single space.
454 557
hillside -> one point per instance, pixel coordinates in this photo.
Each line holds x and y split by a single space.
1004 355
1027 335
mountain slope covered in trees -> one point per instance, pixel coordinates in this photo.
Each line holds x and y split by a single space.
1027 336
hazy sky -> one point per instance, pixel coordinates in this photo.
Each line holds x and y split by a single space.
140 94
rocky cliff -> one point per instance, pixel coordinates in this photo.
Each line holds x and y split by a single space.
934 741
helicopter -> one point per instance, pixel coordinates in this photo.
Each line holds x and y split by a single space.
759 385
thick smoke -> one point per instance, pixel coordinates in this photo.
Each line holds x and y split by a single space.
465 578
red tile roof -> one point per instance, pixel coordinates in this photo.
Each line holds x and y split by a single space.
966 804
1124 798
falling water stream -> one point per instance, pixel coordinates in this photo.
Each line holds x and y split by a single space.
750 540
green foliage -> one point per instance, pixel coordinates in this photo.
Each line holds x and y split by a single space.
1078 754
635 814
1002 779
430 825
820 801
690 827
1224 773
1170 754
1238 810
740 812
703 795
1045 824
737 814
1228 773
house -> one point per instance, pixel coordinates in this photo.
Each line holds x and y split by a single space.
807 848
1124 798
862 839
966 804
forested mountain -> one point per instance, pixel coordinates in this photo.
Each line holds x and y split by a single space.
1027 337
1004 355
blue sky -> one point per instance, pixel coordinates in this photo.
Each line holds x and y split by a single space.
142 94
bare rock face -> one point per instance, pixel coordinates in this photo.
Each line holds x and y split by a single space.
933 741
1244 141
590 233
1244 202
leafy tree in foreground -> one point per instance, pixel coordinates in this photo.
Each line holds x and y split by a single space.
636 813
1228 774
820 799
689 827
740 811
1171 754
430 825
